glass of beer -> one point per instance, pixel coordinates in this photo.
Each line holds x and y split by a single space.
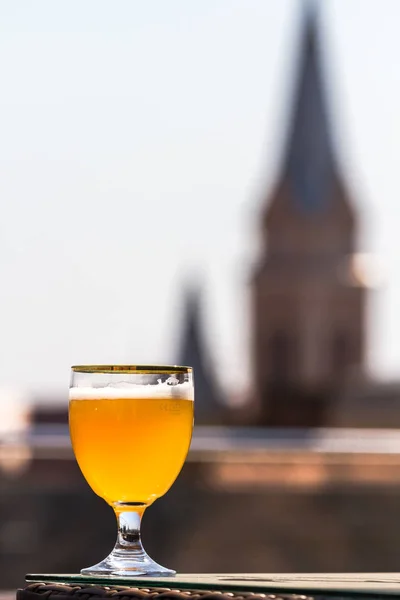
130 429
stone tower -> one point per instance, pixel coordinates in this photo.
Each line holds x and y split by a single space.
308 309
208 401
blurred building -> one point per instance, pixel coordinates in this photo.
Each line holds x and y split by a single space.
308 305
309 288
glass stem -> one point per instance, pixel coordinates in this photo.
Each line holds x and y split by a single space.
129 517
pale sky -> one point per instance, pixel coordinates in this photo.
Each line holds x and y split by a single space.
137 141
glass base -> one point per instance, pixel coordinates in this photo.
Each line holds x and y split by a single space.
123 564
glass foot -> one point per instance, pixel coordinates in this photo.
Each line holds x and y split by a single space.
128 558
123 564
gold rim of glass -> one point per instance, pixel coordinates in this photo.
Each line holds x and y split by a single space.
141 369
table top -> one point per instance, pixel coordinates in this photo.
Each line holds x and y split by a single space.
327 584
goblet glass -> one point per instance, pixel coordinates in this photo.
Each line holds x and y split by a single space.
130 429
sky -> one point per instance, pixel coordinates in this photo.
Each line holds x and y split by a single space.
138 143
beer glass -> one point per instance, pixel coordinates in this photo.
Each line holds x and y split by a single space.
130 429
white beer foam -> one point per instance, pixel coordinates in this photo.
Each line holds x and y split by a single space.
182 391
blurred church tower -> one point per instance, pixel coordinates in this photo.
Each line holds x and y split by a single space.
308 310
209 406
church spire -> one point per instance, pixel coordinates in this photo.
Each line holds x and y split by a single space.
309 163
208 407
308 323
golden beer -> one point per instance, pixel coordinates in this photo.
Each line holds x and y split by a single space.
131 427
130 449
